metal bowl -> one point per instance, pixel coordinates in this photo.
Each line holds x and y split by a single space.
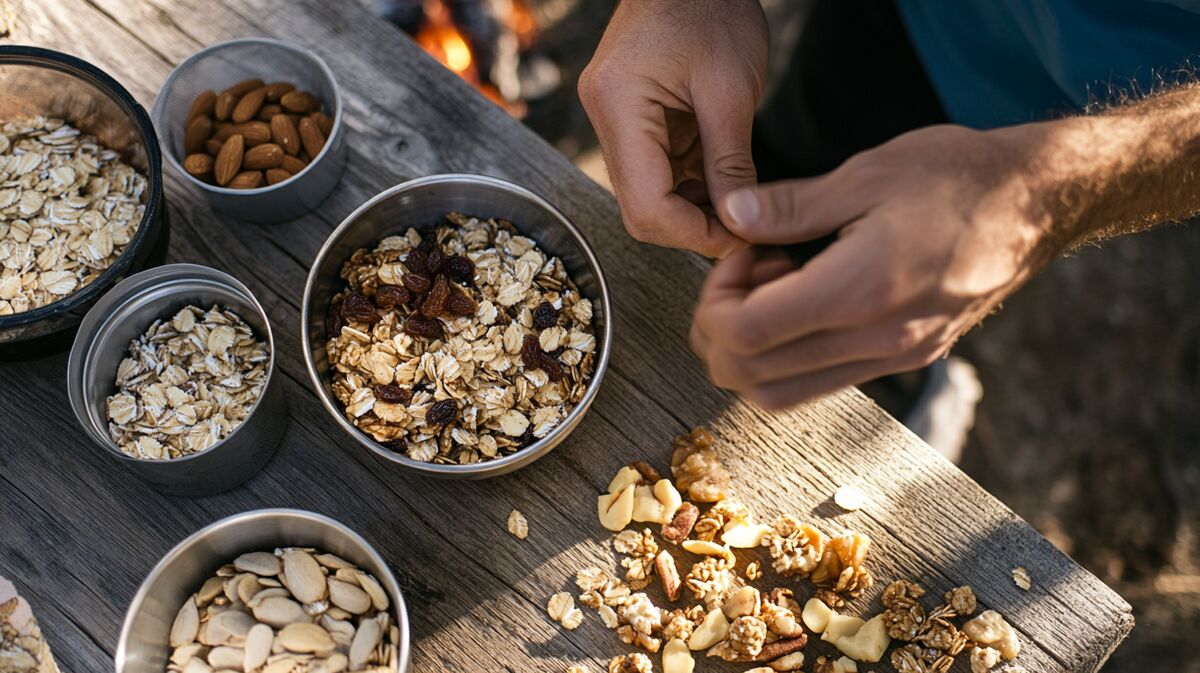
426 201
143 646
225 64
123 315
35 82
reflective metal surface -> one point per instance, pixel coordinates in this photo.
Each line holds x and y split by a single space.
123 315
426 201
225 64
143 646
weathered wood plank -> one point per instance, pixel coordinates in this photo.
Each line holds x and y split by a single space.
477 595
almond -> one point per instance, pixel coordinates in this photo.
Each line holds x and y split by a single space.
249 105
229 160
243 86
198 130
224 105
293 165
267 155
268 111
325 123
212 146
203 105
311 137
198 164
299 102
275 91
255 132
277 175
284 134
246 180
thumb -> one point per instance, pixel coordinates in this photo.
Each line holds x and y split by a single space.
788 211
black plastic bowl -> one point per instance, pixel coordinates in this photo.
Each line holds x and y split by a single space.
36 81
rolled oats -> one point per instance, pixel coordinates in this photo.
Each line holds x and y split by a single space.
518 525
1022 578
447 318
68 208
22 647
186 384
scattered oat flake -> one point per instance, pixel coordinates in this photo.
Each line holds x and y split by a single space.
850 498
518 525
572 619
1022 578
559 605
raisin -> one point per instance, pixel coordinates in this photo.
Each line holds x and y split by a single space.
435 260
396 445
392 394
435 302
531 352
417 282
550 365
526 438
390 296
418 326
545 316
358 308
441 413
461 269
416 261
334 322
460 304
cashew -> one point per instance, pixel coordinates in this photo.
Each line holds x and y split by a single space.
626 476
867 641
711 631
677 658
616 509
816 615
744 534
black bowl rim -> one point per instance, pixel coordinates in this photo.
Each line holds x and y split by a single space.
73 65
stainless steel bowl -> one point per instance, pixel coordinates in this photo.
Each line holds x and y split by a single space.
143 646
36 81
227 63
426 201
123 315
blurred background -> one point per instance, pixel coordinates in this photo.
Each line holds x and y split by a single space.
1089 421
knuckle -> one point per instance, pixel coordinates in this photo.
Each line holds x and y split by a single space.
735 165
746 336
729 371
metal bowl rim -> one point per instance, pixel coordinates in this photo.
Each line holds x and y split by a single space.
81 353
398 603
482 468
161 98
81 69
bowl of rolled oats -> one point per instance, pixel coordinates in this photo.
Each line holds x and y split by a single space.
268 590
81 194
171 373
256 125
457 325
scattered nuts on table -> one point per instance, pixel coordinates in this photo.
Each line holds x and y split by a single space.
253 134
186 384
291 610
462 344
68 208
734 620
518 525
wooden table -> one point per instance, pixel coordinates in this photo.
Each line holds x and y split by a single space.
78 534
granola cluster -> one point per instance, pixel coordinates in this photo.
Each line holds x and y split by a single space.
459 344
68 208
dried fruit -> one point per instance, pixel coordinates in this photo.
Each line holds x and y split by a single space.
531 352
545 316
229 161
418 283
441 413
435 258
460 269
357 308
391 296
435 302
460 304
392 393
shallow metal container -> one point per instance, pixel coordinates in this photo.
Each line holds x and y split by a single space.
225 64
35 81
143 646
123 315
426 201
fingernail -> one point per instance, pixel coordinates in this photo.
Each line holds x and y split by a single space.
742 205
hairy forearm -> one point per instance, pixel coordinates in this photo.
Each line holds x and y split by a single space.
1121 171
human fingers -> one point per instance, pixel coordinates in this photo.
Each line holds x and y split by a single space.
725 116
790 211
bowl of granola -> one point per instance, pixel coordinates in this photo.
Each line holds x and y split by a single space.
457 325
171 373
81 194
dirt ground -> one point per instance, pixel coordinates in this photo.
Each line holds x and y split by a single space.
1089 427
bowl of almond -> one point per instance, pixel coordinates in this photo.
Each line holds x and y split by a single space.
256 125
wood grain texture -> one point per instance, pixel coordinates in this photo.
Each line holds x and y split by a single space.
79 534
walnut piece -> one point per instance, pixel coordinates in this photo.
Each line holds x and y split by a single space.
990 629
630 663
697 468
681 524
841 564
795 548
961 600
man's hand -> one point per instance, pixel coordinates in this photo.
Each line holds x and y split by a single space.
671 92
936 227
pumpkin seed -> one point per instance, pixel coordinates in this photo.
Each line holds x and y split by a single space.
304 577
349 597
306 638
258 647
258 562
186 625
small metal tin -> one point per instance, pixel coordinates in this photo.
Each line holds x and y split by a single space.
426 201
144 643
225 64
123 315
